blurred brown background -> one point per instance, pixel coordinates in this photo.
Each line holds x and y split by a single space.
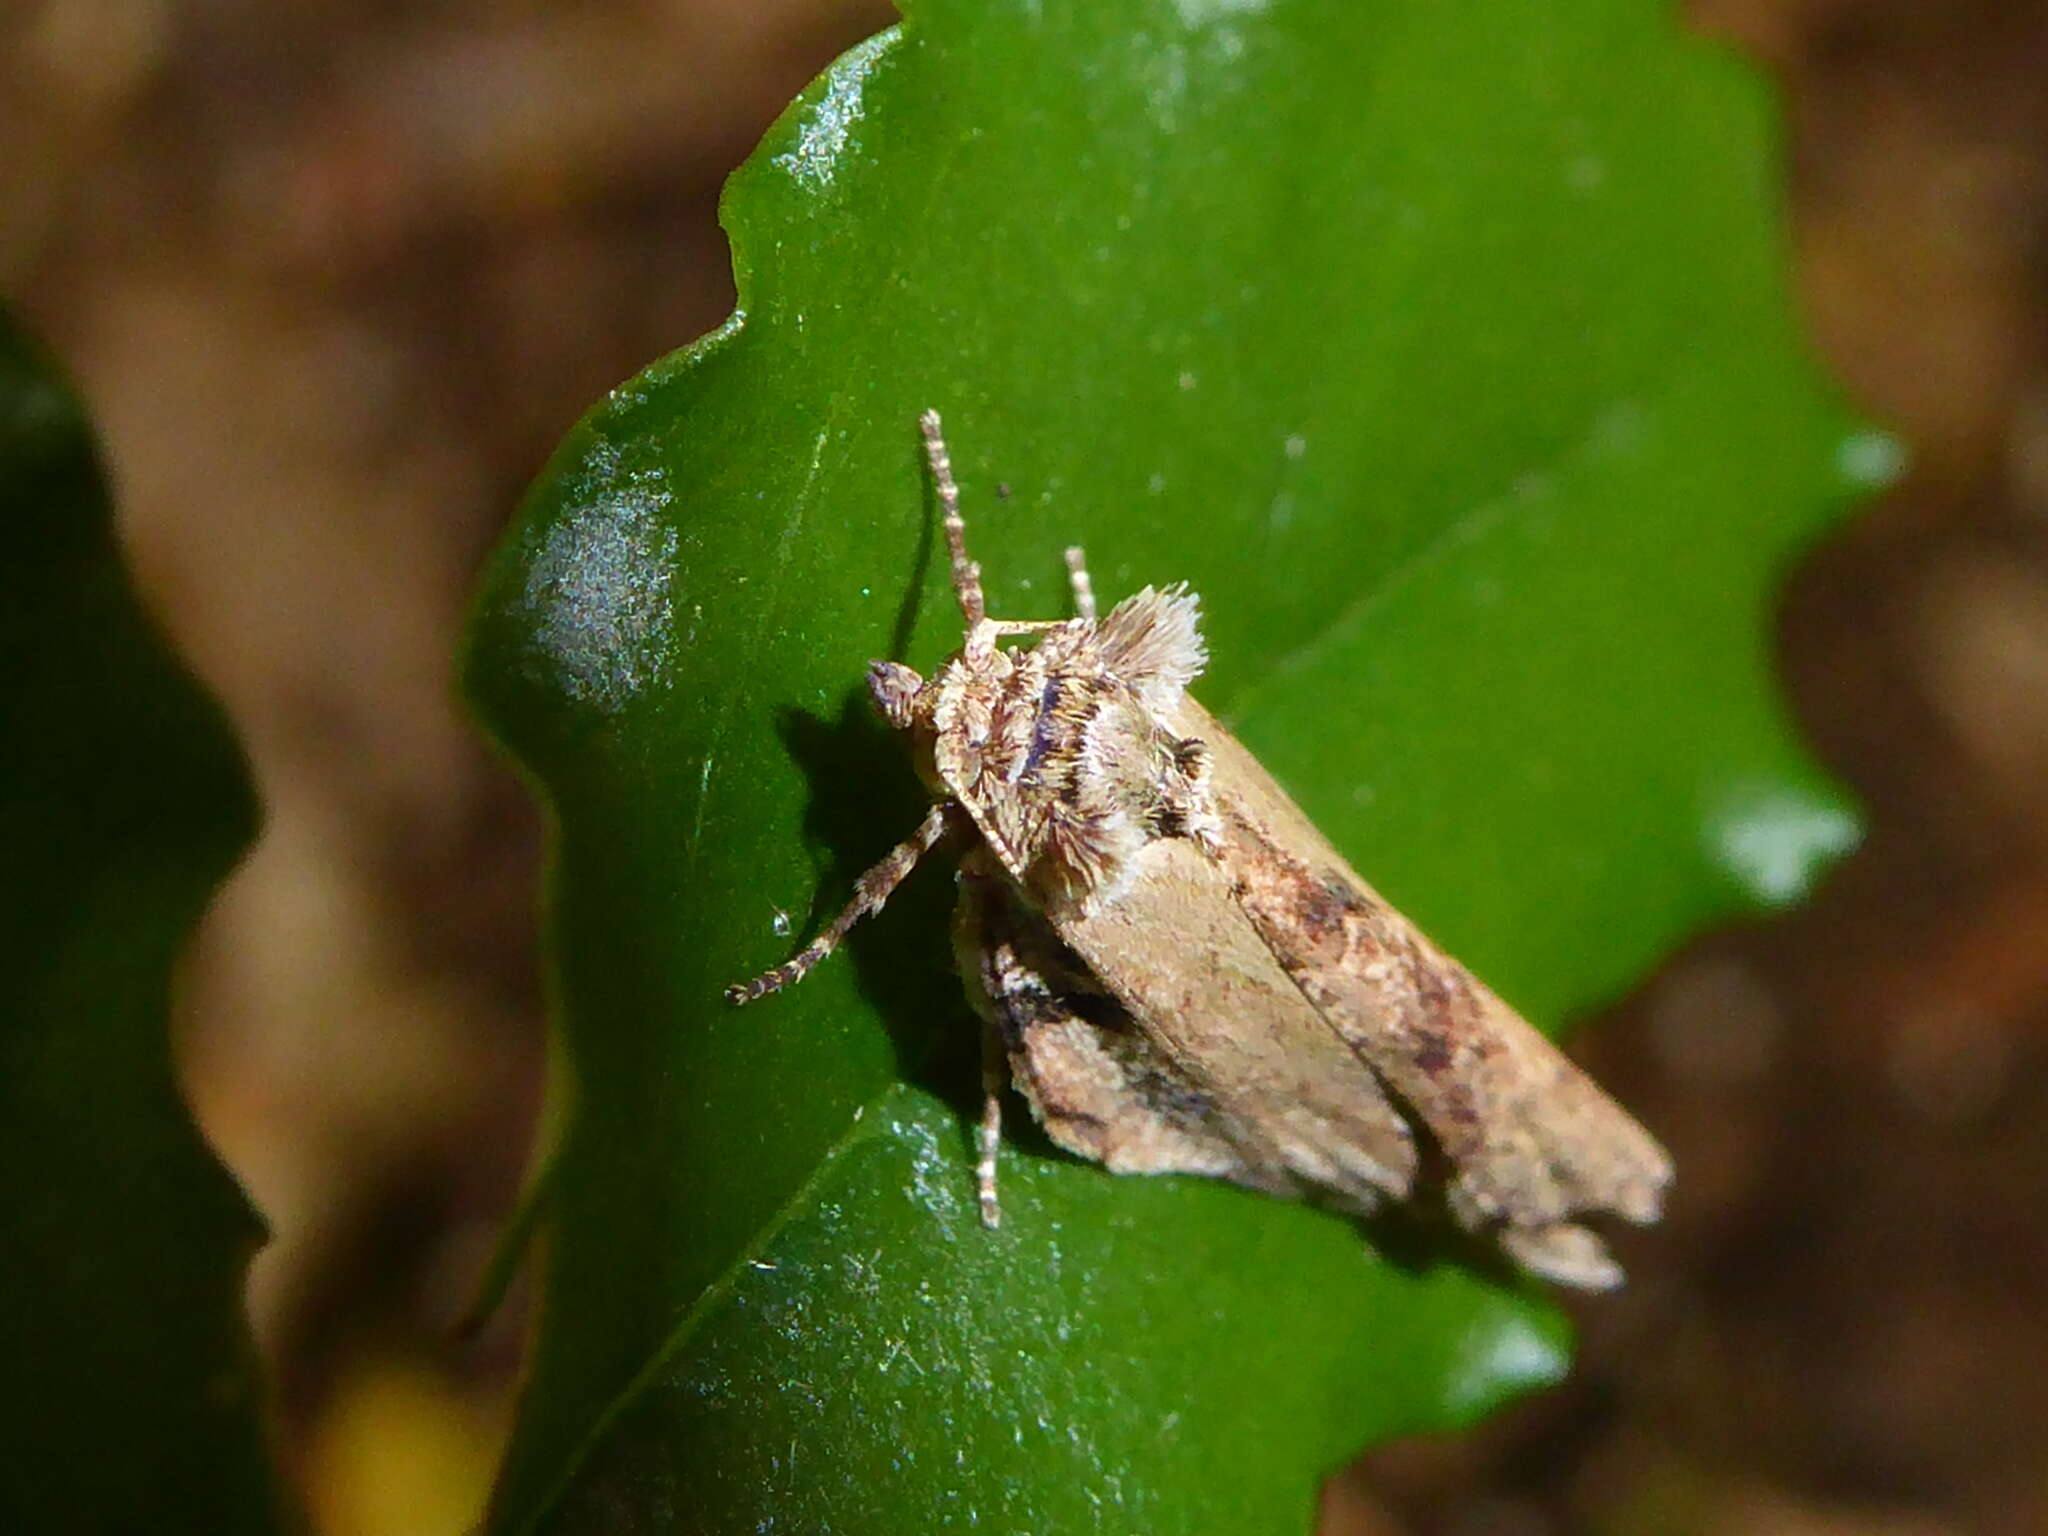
336 277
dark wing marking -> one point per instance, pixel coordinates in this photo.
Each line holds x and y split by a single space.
1532 1141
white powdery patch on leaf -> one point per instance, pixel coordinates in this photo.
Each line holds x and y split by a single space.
599 591
822 138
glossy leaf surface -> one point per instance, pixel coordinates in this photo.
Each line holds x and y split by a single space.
1445 351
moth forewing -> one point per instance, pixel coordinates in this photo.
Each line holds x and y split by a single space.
1531 1140
1195 978
1101 1087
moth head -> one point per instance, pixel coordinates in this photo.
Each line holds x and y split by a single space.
894 688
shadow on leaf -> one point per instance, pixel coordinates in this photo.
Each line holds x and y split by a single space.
864 800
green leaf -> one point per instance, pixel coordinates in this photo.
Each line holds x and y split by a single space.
1446 353
129 1400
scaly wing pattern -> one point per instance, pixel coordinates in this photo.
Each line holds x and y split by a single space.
1531 1141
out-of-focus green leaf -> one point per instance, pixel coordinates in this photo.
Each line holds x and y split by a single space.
128 1392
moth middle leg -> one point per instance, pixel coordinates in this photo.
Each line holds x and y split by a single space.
1098 1084
977 952
995 1077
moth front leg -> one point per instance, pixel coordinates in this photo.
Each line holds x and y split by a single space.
871 892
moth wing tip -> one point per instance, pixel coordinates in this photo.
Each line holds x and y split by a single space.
1639 1196
1565 1253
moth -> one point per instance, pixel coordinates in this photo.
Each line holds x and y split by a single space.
1181 975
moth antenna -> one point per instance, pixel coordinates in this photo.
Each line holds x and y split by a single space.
966 574
1084 589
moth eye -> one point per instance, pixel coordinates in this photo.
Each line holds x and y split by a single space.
894 689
